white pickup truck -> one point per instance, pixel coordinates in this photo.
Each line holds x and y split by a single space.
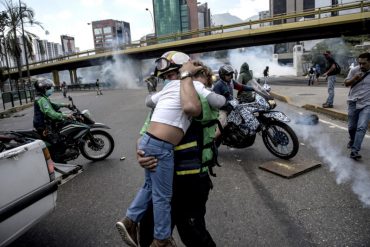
28 188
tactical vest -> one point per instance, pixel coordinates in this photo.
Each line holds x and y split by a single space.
197 153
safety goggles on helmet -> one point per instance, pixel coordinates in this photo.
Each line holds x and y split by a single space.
171 60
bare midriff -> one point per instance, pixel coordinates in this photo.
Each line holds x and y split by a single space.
166 132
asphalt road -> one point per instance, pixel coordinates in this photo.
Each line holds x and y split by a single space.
247 207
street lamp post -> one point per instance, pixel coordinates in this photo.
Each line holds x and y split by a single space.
24 45
152 19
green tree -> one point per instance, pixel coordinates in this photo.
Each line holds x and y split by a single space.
13 32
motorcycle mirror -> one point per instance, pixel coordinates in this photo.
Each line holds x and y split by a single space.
70 98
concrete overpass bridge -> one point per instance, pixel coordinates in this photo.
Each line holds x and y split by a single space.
308 25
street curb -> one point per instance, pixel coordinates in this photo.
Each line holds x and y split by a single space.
7 113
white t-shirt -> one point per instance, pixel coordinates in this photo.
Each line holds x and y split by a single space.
168 108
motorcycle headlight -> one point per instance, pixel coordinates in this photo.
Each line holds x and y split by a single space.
272 103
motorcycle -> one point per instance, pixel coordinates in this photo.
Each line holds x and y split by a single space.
68 139
246 120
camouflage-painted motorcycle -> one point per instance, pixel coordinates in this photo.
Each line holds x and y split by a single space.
247 119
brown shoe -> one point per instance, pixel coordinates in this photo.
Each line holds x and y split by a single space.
169 242
127 228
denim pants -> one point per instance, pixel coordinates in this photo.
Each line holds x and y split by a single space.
331 85
157 187
358 120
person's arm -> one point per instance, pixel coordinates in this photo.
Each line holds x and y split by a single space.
241 87
152 99
352 78
48 110
332 68
214 100
189 98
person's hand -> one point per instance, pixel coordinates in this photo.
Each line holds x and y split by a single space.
357 77
190 67
149 163
69 117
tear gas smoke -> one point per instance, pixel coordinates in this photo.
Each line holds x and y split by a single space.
343 167
256 57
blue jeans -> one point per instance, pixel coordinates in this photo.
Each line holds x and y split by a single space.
157 187
331 85
358 120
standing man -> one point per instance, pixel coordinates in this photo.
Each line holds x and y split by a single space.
64 89
358 103
331 78
97 84
266 73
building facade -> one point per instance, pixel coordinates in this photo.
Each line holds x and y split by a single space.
68 44
111 34
175 16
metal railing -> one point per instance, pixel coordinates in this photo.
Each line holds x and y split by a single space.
318 13
21 96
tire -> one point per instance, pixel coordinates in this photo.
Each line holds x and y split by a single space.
88 149
280 140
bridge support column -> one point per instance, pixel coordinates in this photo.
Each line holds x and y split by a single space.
140 65
73 76
56 77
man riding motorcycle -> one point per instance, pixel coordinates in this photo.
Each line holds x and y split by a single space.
46 112
225 86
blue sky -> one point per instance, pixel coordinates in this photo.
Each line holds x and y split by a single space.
71 17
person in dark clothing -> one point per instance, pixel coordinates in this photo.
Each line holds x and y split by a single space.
98 90
331 78
266 72
46 113
64 89
311 76
245 76
225 86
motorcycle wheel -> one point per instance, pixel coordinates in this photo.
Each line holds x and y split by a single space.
280 140
98 148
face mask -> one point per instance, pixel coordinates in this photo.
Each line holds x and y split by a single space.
49 92
165 82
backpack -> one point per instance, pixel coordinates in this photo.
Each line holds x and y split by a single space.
337 69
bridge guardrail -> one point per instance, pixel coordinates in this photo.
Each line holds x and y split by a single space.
362 5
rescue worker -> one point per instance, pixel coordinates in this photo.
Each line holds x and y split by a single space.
46 112
193 157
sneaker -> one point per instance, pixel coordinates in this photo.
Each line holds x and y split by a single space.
349 144
326 105
355 155
127 228
169 242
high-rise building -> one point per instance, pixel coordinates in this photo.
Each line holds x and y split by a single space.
68 44
175 16
109 34
204 16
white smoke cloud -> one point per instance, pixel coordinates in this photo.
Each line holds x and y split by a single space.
345 169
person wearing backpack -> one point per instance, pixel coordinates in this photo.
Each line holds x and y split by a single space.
358 103
332 70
